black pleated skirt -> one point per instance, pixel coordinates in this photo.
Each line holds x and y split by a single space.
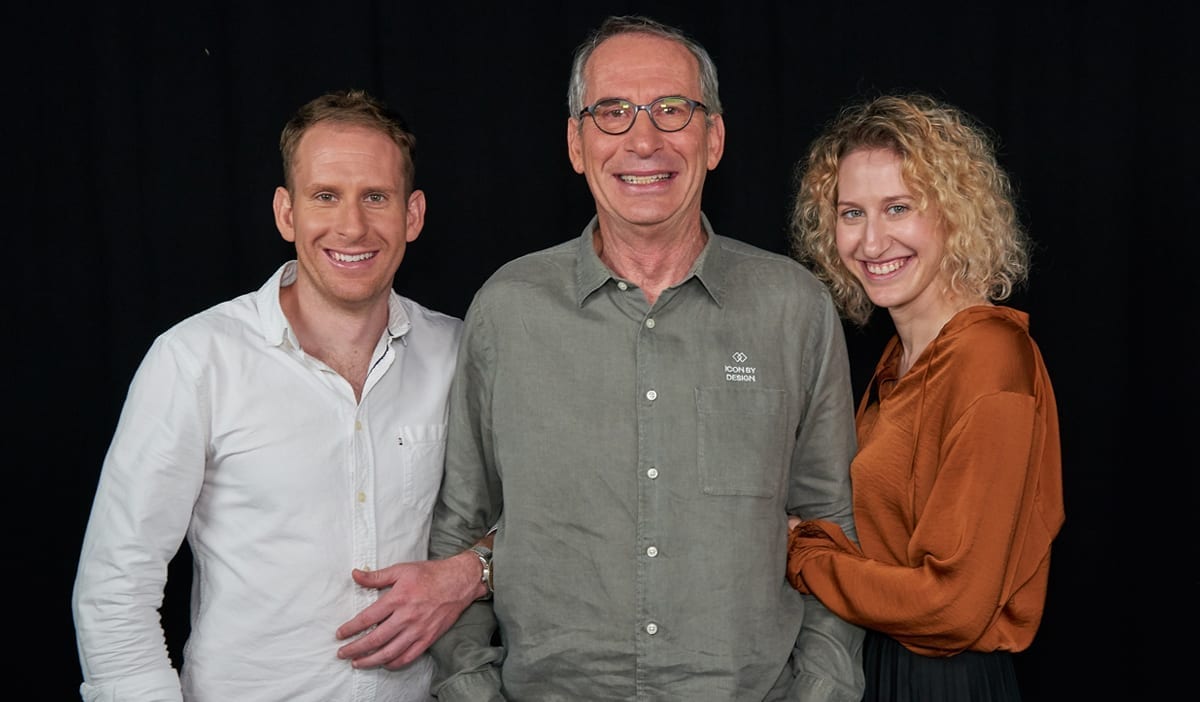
896 674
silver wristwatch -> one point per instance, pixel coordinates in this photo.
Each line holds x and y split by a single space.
485 559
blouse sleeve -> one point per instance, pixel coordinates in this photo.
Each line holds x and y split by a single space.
960 551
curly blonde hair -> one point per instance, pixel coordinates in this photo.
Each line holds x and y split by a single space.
948 160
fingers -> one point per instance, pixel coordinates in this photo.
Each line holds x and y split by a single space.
396 641
409 656
388 657
391 647
362 621
372 641
375 613
417 603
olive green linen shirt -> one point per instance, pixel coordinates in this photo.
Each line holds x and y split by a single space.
640 462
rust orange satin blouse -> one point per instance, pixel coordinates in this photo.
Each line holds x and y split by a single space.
957 495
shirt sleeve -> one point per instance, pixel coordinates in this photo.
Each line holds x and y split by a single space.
827 659
960 549
148 484
469 505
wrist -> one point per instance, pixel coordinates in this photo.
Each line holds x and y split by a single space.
483 555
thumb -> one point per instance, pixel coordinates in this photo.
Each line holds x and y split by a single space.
369 578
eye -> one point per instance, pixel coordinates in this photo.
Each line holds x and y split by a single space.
324 197
376 198
612 109
850 213
668 107
897 209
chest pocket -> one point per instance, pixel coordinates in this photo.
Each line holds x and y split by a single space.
742 441
421 449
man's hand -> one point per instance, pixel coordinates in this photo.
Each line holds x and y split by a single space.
420 602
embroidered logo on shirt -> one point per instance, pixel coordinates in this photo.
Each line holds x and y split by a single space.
740 373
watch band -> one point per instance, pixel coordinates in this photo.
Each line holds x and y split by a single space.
485 559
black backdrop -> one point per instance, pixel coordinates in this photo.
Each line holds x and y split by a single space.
145 154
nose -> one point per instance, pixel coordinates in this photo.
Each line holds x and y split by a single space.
352 221
875 238
643 137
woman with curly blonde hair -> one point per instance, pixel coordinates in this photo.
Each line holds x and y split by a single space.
901 204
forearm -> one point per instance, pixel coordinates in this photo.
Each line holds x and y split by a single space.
468 665
465 656
827 660
121 643
122 648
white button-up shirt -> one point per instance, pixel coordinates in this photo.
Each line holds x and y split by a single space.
281 482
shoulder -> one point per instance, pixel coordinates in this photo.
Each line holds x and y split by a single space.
432 331
751 278
553 267
558 258
235 317
222 331
743 253
991 349
750 262
427 317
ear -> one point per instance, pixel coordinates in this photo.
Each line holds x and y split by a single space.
575 143
283 214
716 141
416 215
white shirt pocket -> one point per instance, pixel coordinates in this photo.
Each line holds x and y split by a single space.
421 450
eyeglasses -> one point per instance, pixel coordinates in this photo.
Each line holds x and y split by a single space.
667 114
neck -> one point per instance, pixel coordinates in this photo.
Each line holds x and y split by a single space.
918 327
342 337
654 260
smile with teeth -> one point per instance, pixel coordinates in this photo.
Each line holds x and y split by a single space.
351 258
885 267
644 180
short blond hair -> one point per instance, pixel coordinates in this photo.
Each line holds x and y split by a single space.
353 107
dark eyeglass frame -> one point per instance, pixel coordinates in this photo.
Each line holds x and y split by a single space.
692 105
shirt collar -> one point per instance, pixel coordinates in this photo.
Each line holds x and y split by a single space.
276 329
711 267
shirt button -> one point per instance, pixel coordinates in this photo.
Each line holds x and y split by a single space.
652 628
362 497
652 551
652 473
649 323
621 285
357 425
651 395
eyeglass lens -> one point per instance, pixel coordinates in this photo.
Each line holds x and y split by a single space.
669 114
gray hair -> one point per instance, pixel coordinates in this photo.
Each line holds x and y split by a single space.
636 24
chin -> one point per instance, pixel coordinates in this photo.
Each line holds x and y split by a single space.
884 299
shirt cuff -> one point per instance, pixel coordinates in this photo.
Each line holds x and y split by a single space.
479 686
